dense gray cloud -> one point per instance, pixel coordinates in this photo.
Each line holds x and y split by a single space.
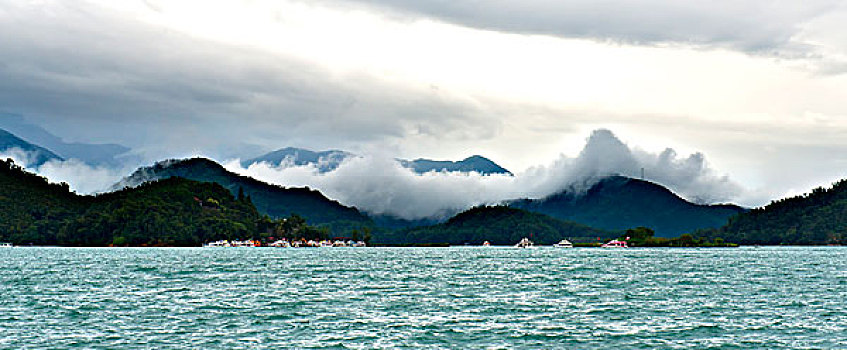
370 74
83 71
378 184
760 26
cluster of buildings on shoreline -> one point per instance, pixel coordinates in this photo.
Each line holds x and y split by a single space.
284 243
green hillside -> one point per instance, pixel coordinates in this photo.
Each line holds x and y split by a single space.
819 217
619 203
499 225
171 212
275 201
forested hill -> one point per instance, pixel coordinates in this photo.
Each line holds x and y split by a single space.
819 217
499 225
619 203
275 201
173 212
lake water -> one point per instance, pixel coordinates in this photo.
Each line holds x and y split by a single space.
414 298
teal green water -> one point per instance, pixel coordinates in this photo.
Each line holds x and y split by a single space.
462 298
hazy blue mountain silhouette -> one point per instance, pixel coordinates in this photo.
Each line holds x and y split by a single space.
324 160
37 155
95 154
474 163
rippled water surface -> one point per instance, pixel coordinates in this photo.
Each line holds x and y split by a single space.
469 298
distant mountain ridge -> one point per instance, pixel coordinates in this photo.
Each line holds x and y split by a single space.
327 161
95 154
275 201
619 203
476 163
37 155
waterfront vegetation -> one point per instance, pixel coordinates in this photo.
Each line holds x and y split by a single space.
274 201
168 212
815 218
499 225
176 211
644 237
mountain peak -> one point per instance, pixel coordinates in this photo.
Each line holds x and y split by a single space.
324 160
97 154
275 201
619 202
475 163
36 155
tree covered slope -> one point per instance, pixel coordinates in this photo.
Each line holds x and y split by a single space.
619 203
819 217
498 225
172 212
275 201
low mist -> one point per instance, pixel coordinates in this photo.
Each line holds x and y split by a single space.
81 177
377 184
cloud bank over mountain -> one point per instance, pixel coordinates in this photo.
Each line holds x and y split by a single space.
757 85
81 177
378 184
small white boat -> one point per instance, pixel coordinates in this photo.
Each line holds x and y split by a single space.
6 245
564 244
228 244
245 243
216 244
615 244
486 244
359 244
525 243
281 244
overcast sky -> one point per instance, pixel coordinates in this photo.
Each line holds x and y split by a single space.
756 87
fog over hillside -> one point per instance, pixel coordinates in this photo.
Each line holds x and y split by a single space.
378 184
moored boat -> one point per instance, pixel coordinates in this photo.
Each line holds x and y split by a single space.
6 245
615 244
486 244
564 244
217 244
282 243
524 243
228 244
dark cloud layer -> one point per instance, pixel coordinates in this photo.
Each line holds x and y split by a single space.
760 26
90 72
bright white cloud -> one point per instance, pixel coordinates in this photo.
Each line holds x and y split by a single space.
428 80
378 184
82 178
